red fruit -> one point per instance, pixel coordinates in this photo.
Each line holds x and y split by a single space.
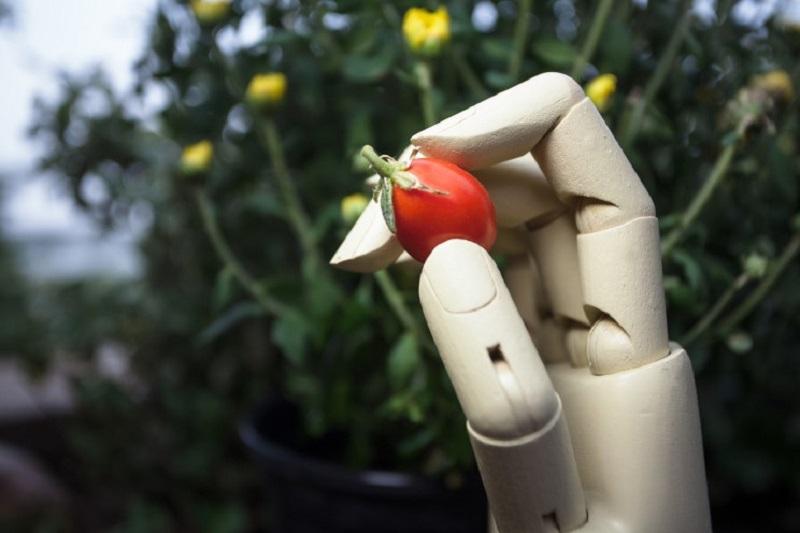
449 203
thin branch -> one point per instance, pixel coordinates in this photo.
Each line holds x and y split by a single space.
631 127
471 80
229 259
592 38
296 215
717 176
399 307
422 70
707 319
749 304
520 35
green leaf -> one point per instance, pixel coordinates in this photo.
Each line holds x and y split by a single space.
362 39
371 66
324 297
387 207
498 80
416 441
496 49
325 219
224 288
263 203
143 516
232 317
403 360
224 518
691 268
554 52
281 37
782 171
290 333
616 48
406 77
359 132
681 296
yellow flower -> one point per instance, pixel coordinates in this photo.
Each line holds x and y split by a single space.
426 32
210 11
352 206
196 158
601 89
266 89
777 83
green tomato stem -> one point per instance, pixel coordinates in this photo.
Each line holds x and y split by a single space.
382 166
393 170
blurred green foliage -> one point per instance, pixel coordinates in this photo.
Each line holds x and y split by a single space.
20 330
162 454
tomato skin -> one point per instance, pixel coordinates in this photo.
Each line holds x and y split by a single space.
425 219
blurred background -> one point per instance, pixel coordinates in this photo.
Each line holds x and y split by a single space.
175 175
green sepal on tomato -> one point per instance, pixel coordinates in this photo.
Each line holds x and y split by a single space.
429 201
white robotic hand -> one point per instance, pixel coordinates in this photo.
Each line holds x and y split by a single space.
586 293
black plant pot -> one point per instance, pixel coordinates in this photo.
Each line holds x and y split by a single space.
311 495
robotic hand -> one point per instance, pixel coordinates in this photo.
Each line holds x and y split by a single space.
577 332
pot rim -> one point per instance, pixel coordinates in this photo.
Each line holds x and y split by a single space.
290 464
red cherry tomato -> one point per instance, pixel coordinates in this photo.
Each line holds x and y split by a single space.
457 207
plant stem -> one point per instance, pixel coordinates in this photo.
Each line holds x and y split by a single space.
468 75
703 324
630 127
718 173
295 213
228 258
520 34
422 70
592 38
399 307
746 307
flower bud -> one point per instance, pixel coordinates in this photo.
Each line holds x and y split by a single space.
755 265
759 103
266 90
426 32
196 158
352 206
601 90
210 11
777 83
739 342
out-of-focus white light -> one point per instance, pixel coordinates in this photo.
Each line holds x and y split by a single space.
484 16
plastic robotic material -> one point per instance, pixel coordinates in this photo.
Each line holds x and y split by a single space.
582 415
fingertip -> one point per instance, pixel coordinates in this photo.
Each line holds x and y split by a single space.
460 275
504 126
